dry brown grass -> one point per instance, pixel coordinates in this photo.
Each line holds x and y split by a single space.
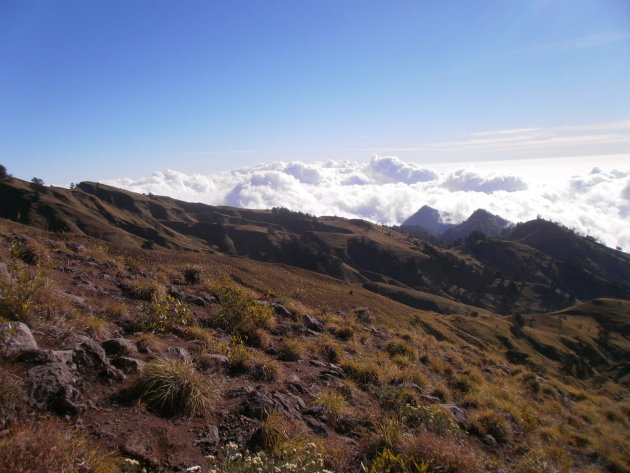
443 454
49 445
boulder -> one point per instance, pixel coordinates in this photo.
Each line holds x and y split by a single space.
177 353
41 357
91 360
128 365
196 300
4 273
214 360
459 416
52 386
209 437
119 346
15 337
312 323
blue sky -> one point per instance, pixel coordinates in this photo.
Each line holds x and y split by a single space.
108 89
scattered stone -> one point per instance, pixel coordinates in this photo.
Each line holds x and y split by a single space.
430 399
177 353
281 310
489 440
41 357
128 365
239 392
414 386
458 414
119 346
196 300
4 273
15 337
76 247
312 323
260 403
210 437
176 293
214 360
316 426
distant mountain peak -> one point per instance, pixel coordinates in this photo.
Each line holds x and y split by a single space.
430 219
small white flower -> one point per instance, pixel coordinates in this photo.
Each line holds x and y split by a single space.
193 469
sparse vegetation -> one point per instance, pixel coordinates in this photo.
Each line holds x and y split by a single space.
49 445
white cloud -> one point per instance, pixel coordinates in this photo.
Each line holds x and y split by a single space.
387 190
466 180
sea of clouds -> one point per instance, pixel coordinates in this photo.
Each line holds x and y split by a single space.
387 190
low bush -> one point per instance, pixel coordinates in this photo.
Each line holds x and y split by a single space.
342 332
388 462
304 459
291 350
145 290
31 252
192 274
174 388
333 403
264 369
164 313
239 314
18 295
433 418
330 352
363 372
240 358
487 421
399 348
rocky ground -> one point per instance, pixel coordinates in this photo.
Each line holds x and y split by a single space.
81 326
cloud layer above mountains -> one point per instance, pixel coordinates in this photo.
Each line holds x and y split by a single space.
387 190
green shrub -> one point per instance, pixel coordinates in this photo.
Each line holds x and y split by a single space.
174 388
17 296
239 313
388 462
239 356
165 313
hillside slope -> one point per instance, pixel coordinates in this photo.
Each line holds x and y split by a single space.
523 279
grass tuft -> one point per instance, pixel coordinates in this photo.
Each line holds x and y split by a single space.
174 388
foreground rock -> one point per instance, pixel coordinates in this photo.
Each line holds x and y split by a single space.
15 338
